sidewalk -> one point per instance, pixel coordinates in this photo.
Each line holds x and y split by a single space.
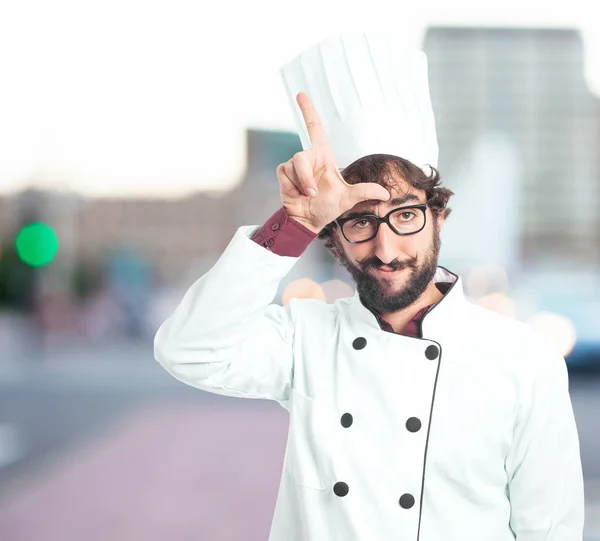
157 475
592 510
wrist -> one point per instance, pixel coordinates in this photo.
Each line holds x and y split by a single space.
314 229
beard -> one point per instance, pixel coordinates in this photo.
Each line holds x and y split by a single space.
373 291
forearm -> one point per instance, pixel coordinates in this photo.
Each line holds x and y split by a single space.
544 466
227 315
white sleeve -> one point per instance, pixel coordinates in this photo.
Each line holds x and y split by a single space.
225 337
544 464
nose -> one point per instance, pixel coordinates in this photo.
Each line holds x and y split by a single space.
386 244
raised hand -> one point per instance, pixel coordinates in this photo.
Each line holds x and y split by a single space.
313 191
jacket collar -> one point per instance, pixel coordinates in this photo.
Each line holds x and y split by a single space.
437 318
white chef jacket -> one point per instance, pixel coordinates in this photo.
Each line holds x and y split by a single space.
466 434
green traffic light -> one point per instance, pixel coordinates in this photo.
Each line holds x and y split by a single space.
36 244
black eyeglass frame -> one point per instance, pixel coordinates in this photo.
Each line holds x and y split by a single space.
386 219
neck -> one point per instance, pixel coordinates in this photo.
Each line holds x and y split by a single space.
399 319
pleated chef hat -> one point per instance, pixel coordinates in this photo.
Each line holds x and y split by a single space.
372 95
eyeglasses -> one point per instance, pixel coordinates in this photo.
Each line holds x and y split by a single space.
402 221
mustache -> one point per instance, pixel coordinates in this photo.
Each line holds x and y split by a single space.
393 265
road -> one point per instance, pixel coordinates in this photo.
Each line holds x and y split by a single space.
104 445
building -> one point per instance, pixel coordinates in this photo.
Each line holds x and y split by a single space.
526 87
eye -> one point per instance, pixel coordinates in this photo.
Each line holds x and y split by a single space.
359 224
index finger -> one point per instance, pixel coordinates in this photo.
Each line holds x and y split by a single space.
316 131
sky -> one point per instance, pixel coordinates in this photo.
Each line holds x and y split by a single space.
152 98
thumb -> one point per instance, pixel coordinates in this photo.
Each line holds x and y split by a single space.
365 191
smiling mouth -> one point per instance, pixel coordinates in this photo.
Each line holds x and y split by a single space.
388 272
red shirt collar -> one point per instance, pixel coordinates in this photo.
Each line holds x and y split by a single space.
412 327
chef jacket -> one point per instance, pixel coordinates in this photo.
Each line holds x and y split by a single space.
464 432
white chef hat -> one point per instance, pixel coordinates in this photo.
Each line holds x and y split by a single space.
372 95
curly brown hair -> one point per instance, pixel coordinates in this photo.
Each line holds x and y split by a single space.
384 169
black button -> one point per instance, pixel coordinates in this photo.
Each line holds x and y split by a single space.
340 489
346 420
359 343
274 227
407 501
432 352
268 243
413 424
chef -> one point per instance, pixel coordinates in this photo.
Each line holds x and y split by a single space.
415 415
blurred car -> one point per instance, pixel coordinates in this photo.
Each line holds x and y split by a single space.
576 297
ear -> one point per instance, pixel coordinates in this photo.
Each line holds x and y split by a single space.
335 244
441 220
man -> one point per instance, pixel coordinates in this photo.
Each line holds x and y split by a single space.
414 414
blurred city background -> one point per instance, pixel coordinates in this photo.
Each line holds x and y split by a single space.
97 442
